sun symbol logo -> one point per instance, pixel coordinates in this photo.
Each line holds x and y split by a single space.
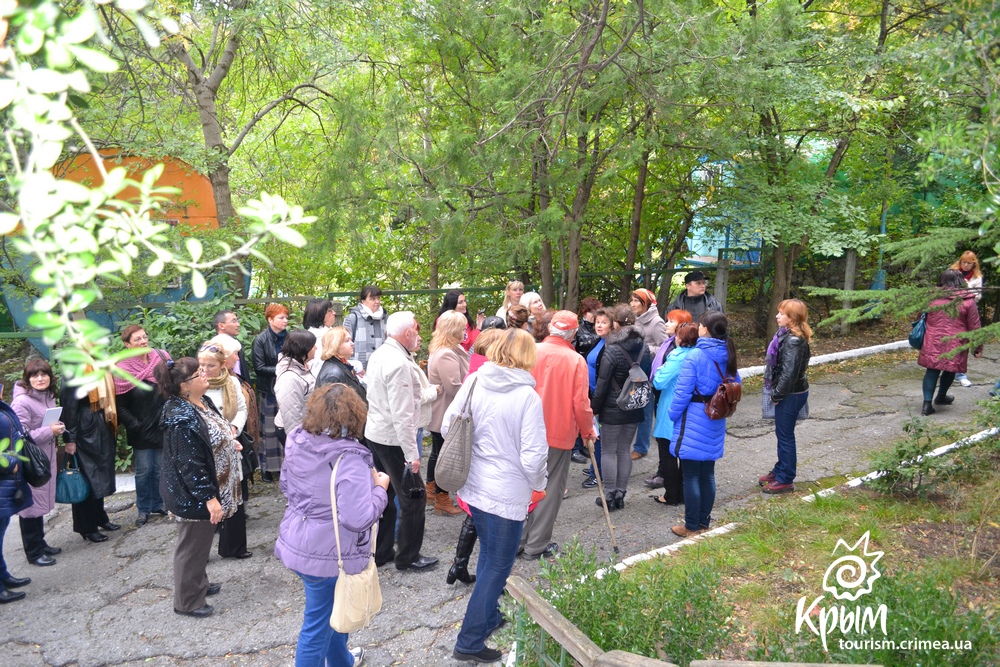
849 577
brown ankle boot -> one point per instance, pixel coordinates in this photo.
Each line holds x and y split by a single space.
431 492
444 506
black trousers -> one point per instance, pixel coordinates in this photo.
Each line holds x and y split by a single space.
32 536
670 471
233 531
88 515
389 459
437 440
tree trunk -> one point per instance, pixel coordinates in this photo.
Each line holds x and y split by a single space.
545 269
784 263
670 252
633 239
573 278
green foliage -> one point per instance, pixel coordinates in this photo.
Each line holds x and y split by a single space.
82 236
905 465
921 606
654 609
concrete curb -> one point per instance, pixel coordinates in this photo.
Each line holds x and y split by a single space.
751 371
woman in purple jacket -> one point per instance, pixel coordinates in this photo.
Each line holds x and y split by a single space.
306 543
937 342
35 393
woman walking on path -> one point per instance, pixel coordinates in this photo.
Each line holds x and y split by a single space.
643 304
139 412
699 441
91 424
785 379
968 264
509 453
331 435
35 393
941 325
200 478
665 378
264 353
447 366
624 347
15 496
226 393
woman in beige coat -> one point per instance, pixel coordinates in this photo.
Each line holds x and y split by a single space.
447 366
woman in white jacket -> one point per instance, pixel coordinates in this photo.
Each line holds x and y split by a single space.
509 455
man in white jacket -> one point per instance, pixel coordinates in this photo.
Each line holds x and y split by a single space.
391 431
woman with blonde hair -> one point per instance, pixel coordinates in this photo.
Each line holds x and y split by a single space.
785 379
511 297
337 350
968 264
226 393
447 366
509 453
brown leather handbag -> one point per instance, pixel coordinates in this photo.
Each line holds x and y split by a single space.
723 402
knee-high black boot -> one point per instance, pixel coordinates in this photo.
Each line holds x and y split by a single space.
466 542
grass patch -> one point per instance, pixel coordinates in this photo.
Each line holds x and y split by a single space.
734 597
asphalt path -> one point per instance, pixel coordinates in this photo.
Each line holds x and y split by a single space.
111 603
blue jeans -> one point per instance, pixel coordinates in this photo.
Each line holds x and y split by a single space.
699 492
319 644
498 542
147 479
785 413
931 380
645 431
4 522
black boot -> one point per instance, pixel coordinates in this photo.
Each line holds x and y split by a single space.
463 550
944 399
620 499
928 409
609 498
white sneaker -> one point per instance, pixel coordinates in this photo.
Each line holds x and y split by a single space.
359 656
966 382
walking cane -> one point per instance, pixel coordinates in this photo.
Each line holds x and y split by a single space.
604 499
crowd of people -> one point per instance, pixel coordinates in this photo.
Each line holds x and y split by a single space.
544 388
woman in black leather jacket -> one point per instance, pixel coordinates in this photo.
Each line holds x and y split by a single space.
785 376
264 353
337 348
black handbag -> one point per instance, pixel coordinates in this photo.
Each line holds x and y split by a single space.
37 467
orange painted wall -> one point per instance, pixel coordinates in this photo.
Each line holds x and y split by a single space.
195 203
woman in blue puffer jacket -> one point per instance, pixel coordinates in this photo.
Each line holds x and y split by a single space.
15 495
699 441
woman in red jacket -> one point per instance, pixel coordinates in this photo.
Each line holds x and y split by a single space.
940 326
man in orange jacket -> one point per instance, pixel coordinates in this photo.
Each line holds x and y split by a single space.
561 380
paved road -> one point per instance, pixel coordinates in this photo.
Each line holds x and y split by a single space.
110 603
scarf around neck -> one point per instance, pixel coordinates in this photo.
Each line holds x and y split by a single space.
141 370
229 401
771 359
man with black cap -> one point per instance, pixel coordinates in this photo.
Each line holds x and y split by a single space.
695 298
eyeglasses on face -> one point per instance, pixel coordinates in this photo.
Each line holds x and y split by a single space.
199 373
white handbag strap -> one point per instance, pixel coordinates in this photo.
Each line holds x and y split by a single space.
336 523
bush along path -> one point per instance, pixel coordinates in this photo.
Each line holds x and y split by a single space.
121 613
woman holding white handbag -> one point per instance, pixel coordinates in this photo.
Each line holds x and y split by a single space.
307 540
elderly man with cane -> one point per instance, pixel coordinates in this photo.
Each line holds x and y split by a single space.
561 382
